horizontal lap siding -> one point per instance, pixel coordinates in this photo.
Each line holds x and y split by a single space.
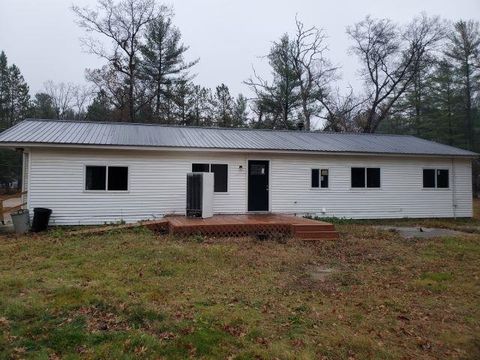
401 193
157 185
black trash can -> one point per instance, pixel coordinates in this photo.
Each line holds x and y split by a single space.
41 216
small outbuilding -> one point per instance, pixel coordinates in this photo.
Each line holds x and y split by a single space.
98 172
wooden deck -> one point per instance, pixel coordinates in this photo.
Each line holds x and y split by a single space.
247 225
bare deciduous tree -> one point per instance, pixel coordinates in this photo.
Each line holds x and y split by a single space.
123 24
389 56
313 70
68 100
342 112
62 95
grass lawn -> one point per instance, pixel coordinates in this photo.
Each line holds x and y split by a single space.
133 294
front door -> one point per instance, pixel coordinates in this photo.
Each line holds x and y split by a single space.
257 185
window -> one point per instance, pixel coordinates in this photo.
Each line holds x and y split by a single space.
442 179
257 169
200 167
373 177
220 175
96 177
315 178
102 178
435 178
365 177
117 178
319 178
324 178
358 177
428 178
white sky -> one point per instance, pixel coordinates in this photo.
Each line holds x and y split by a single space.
229 37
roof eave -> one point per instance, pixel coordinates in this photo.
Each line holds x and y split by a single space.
15 145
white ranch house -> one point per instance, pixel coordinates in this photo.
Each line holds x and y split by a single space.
92 173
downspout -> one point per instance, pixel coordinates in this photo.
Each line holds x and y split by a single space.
454 191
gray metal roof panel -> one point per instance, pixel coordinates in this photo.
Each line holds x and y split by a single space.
36 131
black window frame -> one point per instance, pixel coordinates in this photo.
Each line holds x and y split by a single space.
445 184
366 181
429 178
219 185
437 183
107 184
216 185
317 180
373 183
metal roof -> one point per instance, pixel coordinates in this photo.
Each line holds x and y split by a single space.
33 132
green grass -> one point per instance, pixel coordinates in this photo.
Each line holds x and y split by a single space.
133 294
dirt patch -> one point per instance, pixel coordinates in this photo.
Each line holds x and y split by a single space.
411 232
320 273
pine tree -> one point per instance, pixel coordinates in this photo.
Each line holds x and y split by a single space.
464 50
276 103
19 98
43 106
163 64
445 97
4 91
100 108
201 112
223 103
240 112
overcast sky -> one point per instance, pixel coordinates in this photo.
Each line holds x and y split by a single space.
229 37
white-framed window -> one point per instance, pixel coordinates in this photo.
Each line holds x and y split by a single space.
220 175
436 178
319 178
363 177
106 178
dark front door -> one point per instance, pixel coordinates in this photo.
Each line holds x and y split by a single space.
257 185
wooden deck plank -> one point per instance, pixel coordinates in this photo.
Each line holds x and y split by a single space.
251 224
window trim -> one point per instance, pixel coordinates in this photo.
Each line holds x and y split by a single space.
210 171
436 188
320 168
366 178
107 165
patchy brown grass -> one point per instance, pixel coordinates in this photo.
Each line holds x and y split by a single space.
133 294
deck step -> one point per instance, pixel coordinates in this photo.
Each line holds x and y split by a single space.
317 235
313 227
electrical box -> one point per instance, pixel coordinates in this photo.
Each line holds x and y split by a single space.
199 194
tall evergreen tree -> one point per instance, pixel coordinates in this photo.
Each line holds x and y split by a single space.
445 98
4 91
240 112
223 103
43 107
100 108
14 94
163 60
464 50
276 102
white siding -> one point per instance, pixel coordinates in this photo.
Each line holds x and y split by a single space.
25 177
157 185
401 193
157 182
